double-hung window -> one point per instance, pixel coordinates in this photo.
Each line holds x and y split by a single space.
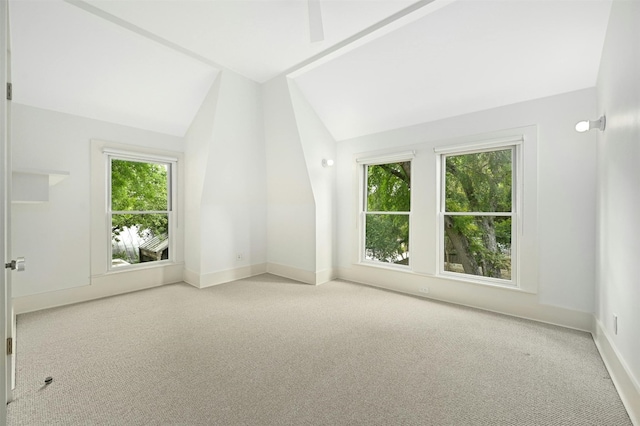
386 211
139 209
478 213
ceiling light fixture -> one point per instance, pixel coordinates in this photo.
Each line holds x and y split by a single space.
599 124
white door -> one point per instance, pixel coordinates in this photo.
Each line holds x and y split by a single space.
5 205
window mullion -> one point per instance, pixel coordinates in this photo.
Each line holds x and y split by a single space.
499 214
139 211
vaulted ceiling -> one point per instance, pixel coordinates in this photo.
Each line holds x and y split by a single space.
382 64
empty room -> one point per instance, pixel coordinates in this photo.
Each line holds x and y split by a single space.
320 212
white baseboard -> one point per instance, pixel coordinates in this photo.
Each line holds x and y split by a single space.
628 387
101 286
190 277
221 277
501 300
326 276
307 277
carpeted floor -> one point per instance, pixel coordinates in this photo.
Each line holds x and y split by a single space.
268 351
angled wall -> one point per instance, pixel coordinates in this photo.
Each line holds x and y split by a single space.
291 215
198 141
226 185
318 144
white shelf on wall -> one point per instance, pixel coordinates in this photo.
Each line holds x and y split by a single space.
32 185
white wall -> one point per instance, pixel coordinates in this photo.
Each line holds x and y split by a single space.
54 236
618 291
566 200
291 221
198 141
318 144
226 184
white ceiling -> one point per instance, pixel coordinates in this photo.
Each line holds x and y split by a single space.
468 56
149 63
255 38
67 60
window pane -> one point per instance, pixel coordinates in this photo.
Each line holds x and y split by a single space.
139 186
478 245
387 238
389 187
479 182
137 238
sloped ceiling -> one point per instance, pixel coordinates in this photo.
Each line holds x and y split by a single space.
465 57
67 60
149 63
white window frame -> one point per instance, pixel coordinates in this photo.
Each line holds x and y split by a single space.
148 273
517 191
363 164
172 163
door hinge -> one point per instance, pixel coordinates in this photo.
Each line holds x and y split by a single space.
10 346
9 91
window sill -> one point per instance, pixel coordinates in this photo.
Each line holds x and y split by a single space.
479 281
389 266
142 267
447 277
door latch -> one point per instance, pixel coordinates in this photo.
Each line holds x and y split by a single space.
16 265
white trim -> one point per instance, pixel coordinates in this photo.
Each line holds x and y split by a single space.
307 277
513 144
385 265
325 276
137 156
499 299
477 279
101 286
386 158
222 277
627 386
100 239
362 178
411 13
494 214
479 146
191 277
171 164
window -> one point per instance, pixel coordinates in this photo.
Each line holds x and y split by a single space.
139 209
386 212
478 213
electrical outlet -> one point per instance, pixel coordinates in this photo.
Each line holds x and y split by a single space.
239 257
424 290
615 324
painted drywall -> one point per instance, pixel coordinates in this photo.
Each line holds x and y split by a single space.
226 183
618 201
54 236
291 222
318 144
566 201
233 202
198 141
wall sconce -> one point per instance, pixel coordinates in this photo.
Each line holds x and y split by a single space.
327 162
599 124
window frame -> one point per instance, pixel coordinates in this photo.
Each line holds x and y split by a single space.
363 164
148 273
172 163
517 191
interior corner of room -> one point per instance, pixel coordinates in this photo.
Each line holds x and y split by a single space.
265 140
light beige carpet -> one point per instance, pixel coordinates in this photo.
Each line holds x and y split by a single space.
268 351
